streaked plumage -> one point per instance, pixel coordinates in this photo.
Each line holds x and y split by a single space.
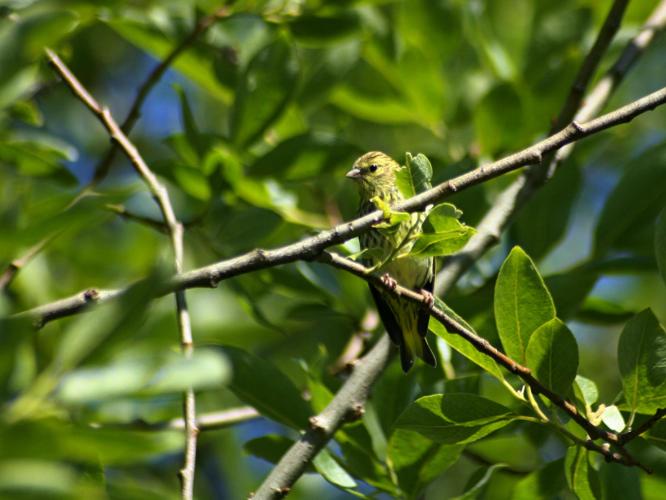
406 322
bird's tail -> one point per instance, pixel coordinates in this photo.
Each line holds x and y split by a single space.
414 345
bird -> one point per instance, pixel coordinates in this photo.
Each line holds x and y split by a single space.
406 322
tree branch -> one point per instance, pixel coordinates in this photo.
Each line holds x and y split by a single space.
483 346
522 189
347 405
175 232
307 249
202 25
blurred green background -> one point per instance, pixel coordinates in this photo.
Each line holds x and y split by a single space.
253 129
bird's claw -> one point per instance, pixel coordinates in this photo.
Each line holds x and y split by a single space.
389 281
428 298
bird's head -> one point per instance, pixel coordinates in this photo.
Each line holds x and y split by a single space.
375 173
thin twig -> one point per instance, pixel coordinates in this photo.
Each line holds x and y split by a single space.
211 275
19 263
482 345
103 166
644 427
175 232
522 189
205 421
202 25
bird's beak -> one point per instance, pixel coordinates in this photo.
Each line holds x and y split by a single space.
354 173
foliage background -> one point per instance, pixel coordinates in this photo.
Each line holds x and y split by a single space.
253 129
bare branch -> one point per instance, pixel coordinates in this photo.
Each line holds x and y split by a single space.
309 248
483 346
175 232
151 80
522 189
347 405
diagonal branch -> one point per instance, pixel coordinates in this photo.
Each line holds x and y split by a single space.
211 275
202 25
483 346
175 232
103 166
522 189
351 398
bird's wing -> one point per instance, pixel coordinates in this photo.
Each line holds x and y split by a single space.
385 313
424 315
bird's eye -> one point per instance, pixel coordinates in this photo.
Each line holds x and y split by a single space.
373 168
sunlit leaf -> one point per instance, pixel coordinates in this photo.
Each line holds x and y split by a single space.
552 355
522 303
454 418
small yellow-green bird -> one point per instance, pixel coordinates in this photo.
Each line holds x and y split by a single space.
406 322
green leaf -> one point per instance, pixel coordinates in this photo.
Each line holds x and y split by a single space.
304 156
145 375
657 434
613 419
416 176
621 482
660 243
552 355
589 394
448 234
27 478
642 361
542 484
263 92
416 460
393 217
50 439
542 223
454 418
460 344
195 65
270 447
332 471
279 399
498 120
478 482
636 200
317 31
581 477
522 303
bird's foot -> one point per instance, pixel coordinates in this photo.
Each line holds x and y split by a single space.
389 281
428 298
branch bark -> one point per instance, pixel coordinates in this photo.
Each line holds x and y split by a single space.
175 232
202 25
522 189
307 249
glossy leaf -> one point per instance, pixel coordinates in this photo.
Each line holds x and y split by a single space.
417 460
478 482
637 198
542 484
641 358
146 376
279 400
416 176
263 92
454 418
552 355
460 344
443 234
332 471
522 303
581 477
